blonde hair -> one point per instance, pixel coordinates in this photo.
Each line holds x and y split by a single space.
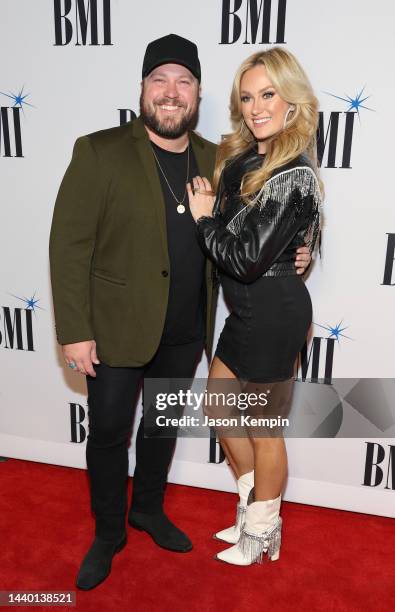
298 136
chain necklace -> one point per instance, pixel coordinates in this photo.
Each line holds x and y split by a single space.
180 207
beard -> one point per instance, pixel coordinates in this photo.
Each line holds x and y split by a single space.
169 127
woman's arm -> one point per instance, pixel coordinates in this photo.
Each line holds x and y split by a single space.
282 209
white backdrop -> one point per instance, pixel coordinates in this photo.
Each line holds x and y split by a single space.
75 88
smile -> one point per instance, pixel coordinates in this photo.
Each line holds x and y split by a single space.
259 121
168 107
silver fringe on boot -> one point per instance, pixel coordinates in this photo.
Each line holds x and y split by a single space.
253 546
240 516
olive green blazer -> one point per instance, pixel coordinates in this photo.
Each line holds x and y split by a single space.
109 261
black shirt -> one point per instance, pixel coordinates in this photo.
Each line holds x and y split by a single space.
184 317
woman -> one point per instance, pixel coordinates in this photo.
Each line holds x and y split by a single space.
267 205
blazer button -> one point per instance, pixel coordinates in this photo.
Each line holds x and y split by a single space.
165 273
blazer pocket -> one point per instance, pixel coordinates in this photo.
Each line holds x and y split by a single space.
108 277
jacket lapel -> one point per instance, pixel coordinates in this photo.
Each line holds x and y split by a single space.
203 161
147 159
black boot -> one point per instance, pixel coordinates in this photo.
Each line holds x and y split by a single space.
161 529
96 565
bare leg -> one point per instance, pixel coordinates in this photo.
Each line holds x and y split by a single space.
270 454
270 467
239 451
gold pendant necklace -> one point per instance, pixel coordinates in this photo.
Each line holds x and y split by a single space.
180 207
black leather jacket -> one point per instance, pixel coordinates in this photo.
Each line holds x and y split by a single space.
246 241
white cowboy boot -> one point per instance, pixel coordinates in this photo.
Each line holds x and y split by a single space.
232 534
261 533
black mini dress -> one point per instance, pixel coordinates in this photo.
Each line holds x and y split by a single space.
253 248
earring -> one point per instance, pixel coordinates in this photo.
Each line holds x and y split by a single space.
290 109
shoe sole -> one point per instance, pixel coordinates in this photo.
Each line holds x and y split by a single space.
274 558
117 550
139 528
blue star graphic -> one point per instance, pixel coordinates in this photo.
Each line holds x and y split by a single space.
335 332
19 99
31 303
354 103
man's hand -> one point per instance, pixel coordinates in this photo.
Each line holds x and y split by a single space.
83 354
303 260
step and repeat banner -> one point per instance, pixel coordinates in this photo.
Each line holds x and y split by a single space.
71 67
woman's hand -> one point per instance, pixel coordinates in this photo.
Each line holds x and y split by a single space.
202 201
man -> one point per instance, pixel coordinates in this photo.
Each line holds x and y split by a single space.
133 294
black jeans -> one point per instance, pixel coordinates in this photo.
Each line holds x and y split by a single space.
112 398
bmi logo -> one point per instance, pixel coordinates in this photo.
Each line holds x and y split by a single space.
10 124
318 362
253 22
82 22
389 261
77 417
125 115
379 466
335 131
16 325
216 454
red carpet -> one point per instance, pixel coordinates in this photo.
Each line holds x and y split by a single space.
330 560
